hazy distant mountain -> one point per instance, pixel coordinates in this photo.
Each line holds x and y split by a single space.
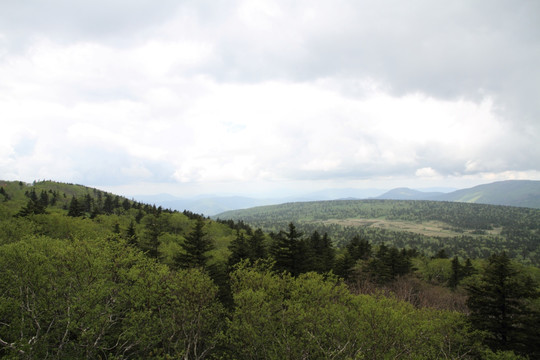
515 193
524 193
408 194
335 194
210 205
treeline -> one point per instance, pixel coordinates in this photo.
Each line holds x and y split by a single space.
519 233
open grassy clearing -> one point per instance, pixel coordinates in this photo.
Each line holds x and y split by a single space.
427 228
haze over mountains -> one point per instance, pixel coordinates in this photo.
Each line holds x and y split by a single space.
525 193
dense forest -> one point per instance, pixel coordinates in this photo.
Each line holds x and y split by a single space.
463 229
88 274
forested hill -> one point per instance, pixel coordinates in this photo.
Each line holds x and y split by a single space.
467 229
70 211
86 274
523 193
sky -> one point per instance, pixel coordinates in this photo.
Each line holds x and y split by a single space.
256 97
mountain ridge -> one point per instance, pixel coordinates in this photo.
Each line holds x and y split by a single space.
521 193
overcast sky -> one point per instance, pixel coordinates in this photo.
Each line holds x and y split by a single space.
256 97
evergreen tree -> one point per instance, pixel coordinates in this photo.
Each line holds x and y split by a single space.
32 195
344 265
468 269
256 244
289 251
139 216
498 305
116 229
441 254
321 253
131 234
108 204
151 243
33 207
239 248
359 248
75 208
456 273
4 193
195 248
116 202
87 203
44 199
389 263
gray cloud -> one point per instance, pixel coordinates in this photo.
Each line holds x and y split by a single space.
296 76
67 21
457 49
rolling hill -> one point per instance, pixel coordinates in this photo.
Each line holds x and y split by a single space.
522 193
464 229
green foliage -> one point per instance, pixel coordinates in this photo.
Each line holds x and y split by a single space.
97 284
195 248
466 230
99 298
289 251
278 316
499 305
320 253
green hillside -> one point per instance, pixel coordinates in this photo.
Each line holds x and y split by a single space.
89 274
465 229
524 193
97 214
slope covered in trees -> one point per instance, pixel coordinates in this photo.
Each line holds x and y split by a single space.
467 230
95 275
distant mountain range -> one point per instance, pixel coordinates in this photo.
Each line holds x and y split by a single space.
523 193
210 205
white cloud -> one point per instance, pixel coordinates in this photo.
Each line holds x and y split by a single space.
271 91
427 172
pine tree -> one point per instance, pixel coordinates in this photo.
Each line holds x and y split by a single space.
139 216
44 199
359 248
498 305
468 269
126 204
441 254
87 203
131 234
321 253
456 273
33 207
75 208
239 248
108 204
3 193
289 251
256 244
195 248
151 243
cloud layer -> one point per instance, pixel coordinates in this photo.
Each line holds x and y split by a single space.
254 92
